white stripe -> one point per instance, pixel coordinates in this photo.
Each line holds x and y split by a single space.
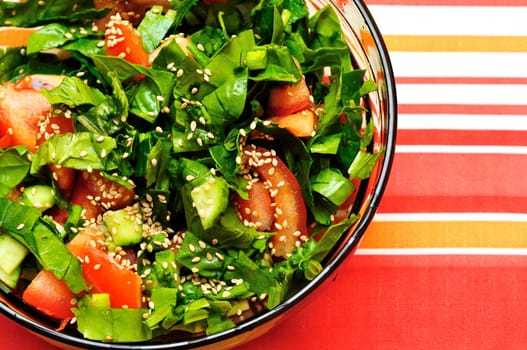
447 20
461 149
461 122
480 94
459 64
458 217
442 251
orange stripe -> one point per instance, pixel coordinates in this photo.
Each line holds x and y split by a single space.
434 234
15 36
455 43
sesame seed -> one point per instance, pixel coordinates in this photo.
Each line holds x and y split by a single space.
20 227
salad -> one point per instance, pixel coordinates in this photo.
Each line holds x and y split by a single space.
173 166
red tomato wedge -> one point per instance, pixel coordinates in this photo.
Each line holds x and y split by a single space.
289 99
95 193
82 196
123 40
290 216
49 295
63 177
300 124
23 109
106 275
256 211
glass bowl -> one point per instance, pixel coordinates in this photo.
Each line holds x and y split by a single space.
369 53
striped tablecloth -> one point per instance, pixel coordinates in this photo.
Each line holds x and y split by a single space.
444 264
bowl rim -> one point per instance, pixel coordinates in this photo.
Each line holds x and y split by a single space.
258 320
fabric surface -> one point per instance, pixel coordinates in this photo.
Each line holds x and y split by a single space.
443 265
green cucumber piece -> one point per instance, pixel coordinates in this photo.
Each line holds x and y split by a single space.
12 253
10 280
125 226
39 196
209 199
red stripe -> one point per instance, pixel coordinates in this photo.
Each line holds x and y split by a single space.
412 302
452 204
462 137
509 3
436 182
462 109
462 80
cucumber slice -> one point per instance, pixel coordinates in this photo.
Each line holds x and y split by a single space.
125 226
12 253
10 280
39 196
210 199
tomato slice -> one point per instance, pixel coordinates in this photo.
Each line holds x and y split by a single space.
63 177
23 109
82 196
50 295
290 216
6 140
300 124
289 99
103 272
106 275
124 41
257 210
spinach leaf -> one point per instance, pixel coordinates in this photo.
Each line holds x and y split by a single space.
31 13
14 167
41 239
80 150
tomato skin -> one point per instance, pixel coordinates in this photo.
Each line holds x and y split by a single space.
103 272
95 194
49 295
82 196
107 276
300 124
290 217
289 99
21 111
110 194
63 177
124 41
257 209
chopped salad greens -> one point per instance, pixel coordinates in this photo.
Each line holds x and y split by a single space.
177 166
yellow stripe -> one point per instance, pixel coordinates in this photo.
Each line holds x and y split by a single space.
458 234
438 43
